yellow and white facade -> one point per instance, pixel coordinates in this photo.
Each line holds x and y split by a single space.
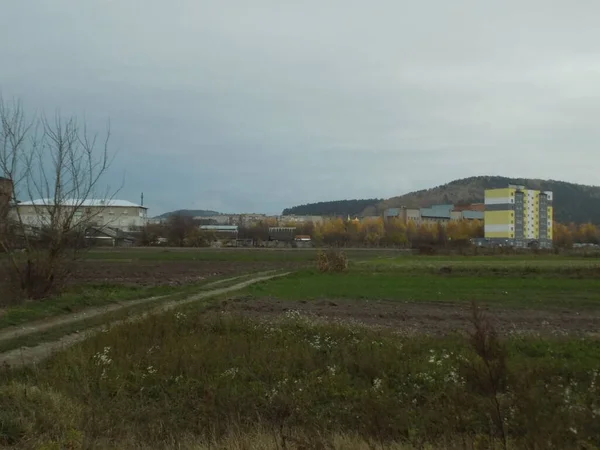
519 216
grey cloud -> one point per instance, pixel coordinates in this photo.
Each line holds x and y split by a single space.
241 106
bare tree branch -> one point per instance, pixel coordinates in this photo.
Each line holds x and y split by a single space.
55 167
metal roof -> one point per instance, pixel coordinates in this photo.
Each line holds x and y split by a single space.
473 214
219 227
83 203
437 211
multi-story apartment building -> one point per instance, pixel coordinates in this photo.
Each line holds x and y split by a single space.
519 217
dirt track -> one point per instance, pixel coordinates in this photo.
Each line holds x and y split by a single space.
423 317
32 355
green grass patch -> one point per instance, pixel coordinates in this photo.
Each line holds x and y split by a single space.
513 262
76 299
202 376
489 290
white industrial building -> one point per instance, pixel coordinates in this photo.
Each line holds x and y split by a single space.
119 214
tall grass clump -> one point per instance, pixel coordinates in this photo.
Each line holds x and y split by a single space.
332 260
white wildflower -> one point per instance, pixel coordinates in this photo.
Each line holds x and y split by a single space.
230 373
102 358
315 342
377 382
293 314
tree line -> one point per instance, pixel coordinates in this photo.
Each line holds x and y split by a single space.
334 208
180 230
565 236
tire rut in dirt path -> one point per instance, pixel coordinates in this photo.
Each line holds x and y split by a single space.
43 325
31 355
38 326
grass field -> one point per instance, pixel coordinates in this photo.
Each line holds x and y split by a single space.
527 292
197 376
331 361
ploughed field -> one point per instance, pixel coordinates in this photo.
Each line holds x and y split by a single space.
152 267
159 273
419 317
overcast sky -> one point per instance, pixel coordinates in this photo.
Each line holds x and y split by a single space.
253 106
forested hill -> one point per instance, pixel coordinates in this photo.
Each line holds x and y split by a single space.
572 202
189 213
333 208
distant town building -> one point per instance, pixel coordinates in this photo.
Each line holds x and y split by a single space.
282 233
118 214
219 219
435 214
470 207
519 217
300 219
222 231
248 220
157 220
242 220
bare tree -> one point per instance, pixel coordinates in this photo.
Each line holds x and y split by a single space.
179 226
55 167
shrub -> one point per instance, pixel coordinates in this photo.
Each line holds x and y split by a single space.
486 370
332 260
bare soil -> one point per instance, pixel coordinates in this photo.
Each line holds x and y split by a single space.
153 273
422 317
